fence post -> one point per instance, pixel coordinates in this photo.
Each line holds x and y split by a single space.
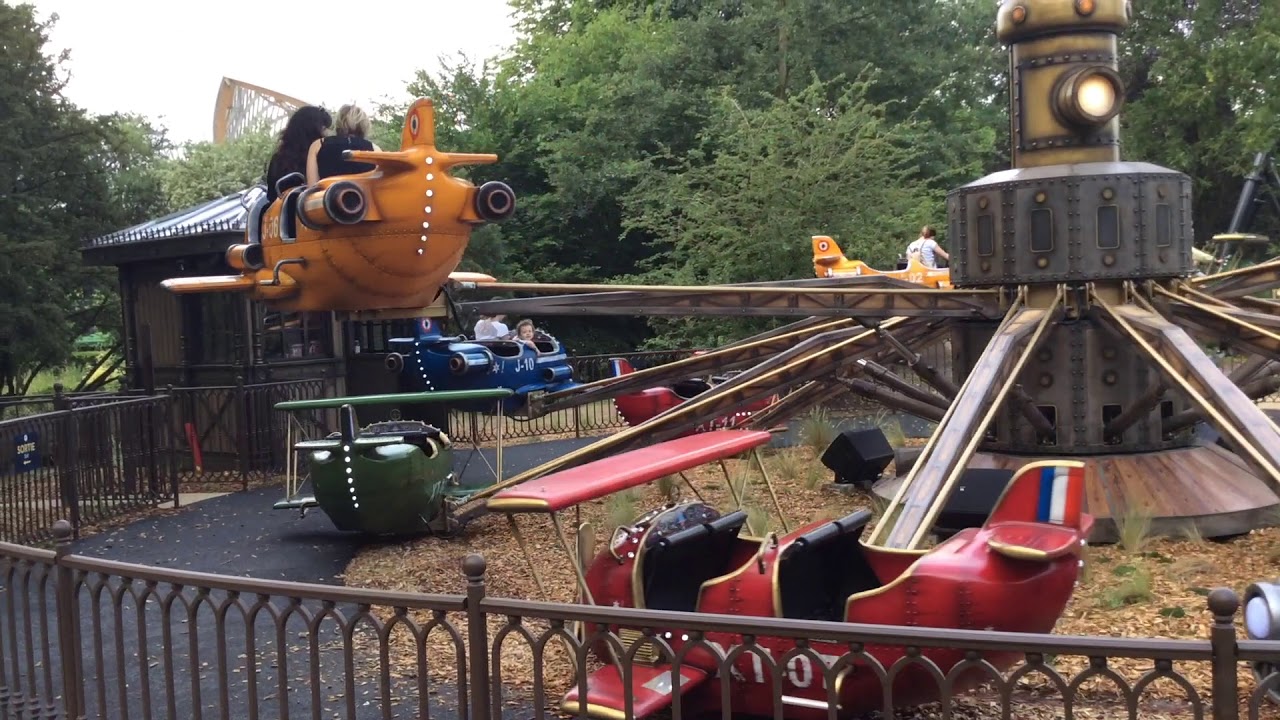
68 454
1224 603
172 421
473 566
68 624
246 442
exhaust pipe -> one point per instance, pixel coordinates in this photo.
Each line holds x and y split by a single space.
345 203
495 201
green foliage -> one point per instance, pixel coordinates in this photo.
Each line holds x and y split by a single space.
817 430
742 207
208 171
1133 589
64 176
1201 83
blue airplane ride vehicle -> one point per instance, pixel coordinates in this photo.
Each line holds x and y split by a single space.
429 361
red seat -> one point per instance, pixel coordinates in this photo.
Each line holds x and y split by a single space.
1032 541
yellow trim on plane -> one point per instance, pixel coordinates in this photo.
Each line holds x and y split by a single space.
512 505
1022 552
593 710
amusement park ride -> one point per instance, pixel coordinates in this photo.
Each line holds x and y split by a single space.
639 407
387 239
1075 323
691 558
429 361
829 261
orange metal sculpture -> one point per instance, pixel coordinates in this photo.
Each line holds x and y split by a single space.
386 239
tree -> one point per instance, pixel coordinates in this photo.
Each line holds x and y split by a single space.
64 176
207 171
743 207
1201 91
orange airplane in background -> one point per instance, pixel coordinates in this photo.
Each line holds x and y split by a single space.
829 261
387 239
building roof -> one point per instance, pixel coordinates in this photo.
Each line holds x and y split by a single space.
224 215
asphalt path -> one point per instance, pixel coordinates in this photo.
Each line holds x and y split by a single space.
191 655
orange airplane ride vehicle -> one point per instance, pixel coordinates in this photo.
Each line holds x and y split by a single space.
387 239
829 261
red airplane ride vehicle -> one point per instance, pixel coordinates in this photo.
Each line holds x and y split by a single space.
641 406
1014 574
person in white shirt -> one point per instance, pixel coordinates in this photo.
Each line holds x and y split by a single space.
491 327
926 248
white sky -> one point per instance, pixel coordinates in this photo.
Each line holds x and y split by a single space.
165 59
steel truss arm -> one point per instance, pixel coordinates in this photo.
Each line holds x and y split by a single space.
828 388
1241 281
1258 388
931 481
817 357
730 357
1181 361
922 369
798 401
1249 331
882 299
897 401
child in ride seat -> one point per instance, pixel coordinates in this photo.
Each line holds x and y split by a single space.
525 333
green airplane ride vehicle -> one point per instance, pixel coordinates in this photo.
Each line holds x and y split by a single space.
388 478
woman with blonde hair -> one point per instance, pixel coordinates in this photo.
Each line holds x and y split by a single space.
351 130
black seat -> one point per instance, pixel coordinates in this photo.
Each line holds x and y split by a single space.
256 212
676 566
691 387
822 568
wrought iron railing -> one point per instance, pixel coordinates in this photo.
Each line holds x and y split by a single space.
83 637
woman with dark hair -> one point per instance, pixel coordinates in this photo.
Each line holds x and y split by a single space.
308 124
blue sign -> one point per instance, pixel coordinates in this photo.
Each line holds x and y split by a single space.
27 457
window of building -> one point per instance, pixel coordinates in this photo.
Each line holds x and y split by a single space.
221 320
374 336
296 336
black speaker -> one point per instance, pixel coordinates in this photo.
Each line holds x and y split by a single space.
972 501
858 456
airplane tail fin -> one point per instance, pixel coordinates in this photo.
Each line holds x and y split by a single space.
826 251
420 129
620 367
1048 492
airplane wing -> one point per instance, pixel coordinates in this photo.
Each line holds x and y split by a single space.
360 442
594 480
474 277
208 283
650 690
